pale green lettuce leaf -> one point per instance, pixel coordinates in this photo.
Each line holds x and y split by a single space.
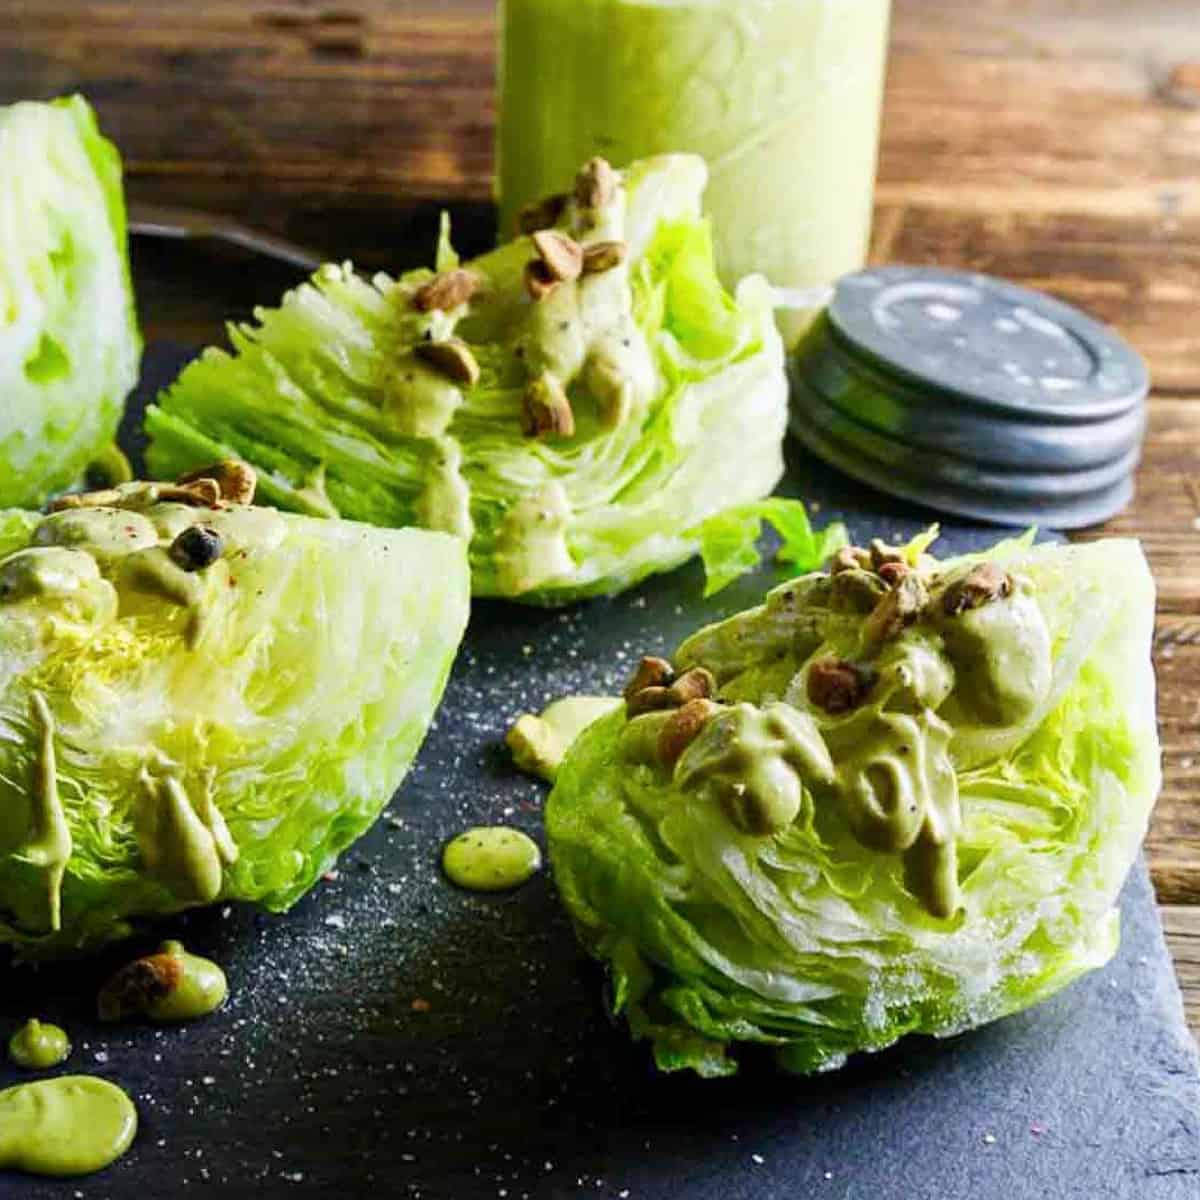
729 540
69 344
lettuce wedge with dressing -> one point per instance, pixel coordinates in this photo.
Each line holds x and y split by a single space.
899 797
69 342
202 700
578 402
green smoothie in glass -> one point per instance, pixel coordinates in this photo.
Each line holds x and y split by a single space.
782 97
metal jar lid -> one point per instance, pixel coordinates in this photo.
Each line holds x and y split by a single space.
973 395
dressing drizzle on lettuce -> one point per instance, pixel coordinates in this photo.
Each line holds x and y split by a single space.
898 797
578 402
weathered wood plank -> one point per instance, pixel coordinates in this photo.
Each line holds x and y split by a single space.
1182 926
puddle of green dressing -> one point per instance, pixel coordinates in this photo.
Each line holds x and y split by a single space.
72 1125
38 1046
491 859
202 988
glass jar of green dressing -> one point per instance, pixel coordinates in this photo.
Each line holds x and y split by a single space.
781 97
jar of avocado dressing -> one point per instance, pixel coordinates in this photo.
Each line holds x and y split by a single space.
781 97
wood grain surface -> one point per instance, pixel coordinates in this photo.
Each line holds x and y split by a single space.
1056 142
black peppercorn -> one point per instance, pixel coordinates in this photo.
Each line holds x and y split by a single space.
196 547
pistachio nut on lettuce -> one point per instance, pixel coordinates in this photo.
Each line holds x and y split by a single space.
577 403
69 344
898 797
202 700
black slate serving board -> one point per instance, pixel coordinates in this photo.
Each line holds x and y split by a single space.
393 1036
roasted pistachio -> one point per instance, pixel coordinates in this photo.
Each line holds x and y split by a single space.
140 495
169 985
682 728
561 255
855 590
447 290
850 558
836 686
545 409
603 256
596 183
196 547
453 358
651 672
539 282
982 584
696 684
542 214
882 553
649 699
236 481
896 611
204 492
103 498
892 572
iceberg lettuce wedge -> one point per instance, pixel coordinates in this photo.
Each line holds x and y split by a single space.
903 798
69 344
579 431
202 703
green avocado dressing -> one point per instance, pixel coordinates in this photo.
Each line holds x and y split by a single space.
491 859
539 743
754 761
1001 653
954 664
107 534
900 795
38 1045
186 845
445 500
48 844
418 400
153 573
200 990
531 543
72 1125
585 329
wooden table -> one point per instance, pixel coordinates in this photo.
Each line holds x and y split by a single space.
1056 142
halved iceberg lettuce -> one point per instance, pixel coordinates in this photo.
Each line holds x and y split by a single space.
899 797
69 343
577 402
202 700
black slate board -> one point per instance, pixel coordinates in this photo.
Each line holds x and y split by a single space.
320 1077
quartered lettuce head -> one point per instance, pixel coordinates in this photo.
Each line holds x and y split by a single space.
577 403
902 797
201 700
69 345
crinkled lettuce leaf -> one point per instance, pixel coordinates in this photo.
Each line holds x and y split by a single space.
287 721
312 395
729 540
809 942
69 343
